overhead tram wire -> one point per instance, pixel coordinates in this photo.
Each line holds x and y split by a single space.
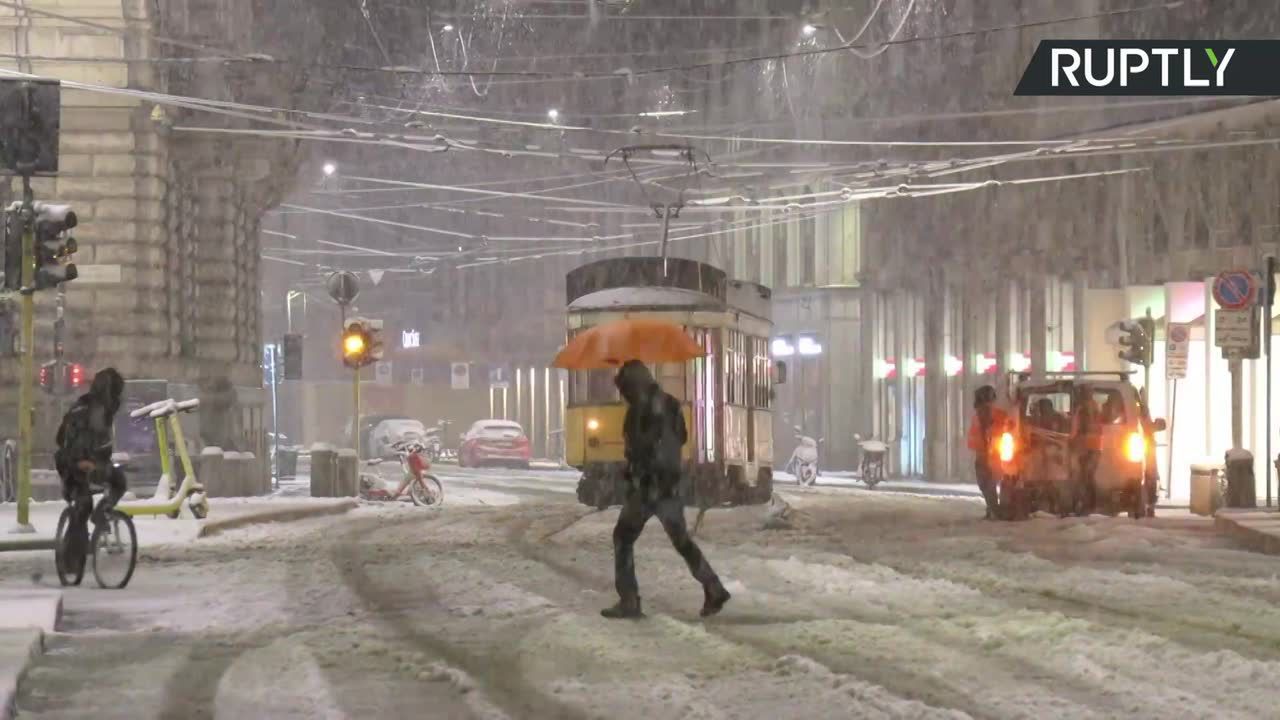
596 75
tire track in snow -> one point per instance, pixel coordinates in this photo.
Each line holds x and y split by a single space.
498 677
1206 635
920 688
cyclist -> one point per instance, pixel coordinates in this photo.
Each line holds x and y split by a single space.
83 457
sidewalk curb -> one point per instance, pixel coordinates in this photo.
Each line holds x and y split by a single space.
9 686
288 514
1252 537
21 543
34 649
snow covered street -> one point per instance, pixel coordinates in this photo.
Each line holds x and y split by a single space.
872 605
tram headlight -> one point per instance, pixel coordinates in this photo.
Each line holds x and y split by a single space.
593 425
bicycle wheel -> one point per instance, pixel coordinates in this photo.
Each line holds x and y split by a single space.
69 564
427 492
115 550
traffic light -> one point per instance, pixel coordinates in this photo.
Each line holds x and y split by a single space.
54 245
292 356
1138 339
12 251
75 377
46 376
356 343
375 339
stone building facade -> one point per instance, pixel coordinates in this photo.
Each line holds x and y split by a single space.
176 212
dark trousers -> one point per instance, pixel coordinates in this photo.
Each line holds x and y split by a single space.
638 507
988 484
1088 497
79 491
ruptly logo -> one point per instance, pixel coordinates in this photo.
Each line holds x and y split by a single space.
1160 67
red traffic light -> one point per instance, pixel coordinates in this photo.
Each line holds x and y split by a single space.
46 376
75 376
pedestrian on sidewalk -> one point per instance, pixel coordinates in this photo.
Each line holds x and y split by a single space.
987 421
654 432
83 456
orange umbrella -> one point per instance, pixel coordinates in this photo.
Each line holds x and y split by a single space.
612 344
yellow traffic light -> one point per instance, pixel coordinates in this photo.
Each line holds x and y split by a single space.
353 344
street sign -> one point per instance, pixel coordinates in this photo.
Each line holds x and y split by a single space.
98 275
1235 289
460 376
1236 332
1176 350
498 378
343 287
382 372
417 376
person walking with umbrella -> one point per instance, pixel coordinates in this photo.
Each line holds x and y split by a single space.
654 433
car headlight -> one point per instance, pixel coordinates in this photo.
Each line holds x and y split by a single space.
593 424
1135 447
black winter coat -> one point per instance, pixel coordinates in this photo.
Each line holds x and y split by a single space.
86 429
654 430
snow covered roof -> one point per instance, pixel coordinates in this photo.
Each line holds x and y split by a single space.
642 297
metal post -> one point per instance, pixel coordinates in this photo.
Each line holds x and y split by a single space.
1237 403
1268 299
1173 412
26 401
355 409
275 414
666 221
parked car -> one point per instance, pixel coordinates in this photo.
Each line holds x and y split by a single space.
388 433
495 442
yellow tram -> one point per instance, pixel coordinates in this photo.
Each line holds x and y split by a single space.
727 395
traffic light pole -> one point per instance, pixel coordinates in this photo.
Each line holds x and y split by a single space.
26 389
355 409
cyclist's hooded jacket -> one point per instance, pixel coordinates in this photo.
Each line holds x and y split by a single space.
85 433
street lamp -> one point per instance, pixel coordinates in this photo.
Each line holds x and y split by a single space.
330 168
554 114
447 28
809 30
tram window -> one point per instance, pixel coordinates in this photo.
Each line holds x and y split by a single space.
761 372
671 377
735 369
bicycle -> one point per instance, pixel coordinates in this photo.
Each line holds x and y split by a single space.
114 535
426 491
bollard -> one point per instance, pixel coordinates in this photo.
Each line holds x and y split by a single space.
232 474
1205 495
213 471
1242 490
348 477
324 469
252 475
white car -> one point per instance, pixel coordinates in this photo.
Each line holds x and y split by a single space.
389 432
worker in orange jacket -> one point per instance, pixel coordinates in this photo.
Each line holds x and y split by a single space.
988 421
1086 441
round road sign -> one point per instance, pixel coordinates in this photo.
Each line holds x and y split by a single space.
1234 289
343 287
1178 333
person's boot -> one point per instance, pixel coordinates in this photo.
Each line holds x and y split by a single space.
628 608
714 598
